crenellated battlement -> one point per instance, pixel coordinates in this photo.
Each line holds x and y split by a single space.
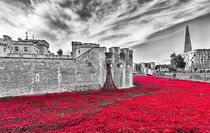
79 48
108 55
114 50
124 50
76 45
130 52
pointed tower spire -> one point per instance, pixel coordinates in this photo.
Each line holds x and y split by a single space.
187 46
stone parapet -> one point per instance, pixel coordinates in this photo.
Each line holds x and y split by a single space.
38 56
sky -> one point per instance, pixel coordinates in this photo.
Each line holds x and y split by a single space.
152 28
162 44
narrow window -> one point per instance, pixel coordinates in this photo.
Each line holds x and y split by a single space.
16 49
122 55
26 49
89 64
78 51
4 49
37 77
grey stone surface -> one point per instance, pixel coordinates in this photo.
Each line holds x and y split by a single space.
24 76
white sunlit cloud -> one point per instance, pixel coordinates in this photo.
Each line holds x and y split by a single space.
107 22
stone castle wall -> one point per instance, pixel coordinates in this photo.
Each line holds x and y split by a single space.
23 76
35 75
122 66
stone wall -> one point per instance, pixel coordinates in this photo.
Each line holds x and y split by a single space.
122 66
82 47
204 77
90 68
3 50
144 68
23 76
38 56
35 76
31 49
38 75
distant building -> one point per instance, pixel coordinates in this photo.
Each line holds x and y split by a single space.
144 68
172 61
162 68
187 46
197 59
26 46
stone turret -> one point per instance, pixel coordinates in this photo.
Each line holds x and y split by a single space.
79 48
122 66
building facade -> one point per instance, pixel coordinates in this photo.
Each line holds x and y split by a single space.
9 47
85 69
162 68
144 68
197 59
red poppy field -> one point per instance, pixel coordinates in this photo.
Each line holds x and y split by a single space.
153 105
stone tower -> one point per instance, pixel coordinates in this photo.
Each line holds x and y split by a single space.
122 66
187 46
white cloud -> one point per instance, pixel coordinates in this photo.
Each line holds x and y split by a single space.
61 21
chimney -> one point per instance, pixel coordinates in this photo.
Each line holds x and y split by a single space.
26 35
